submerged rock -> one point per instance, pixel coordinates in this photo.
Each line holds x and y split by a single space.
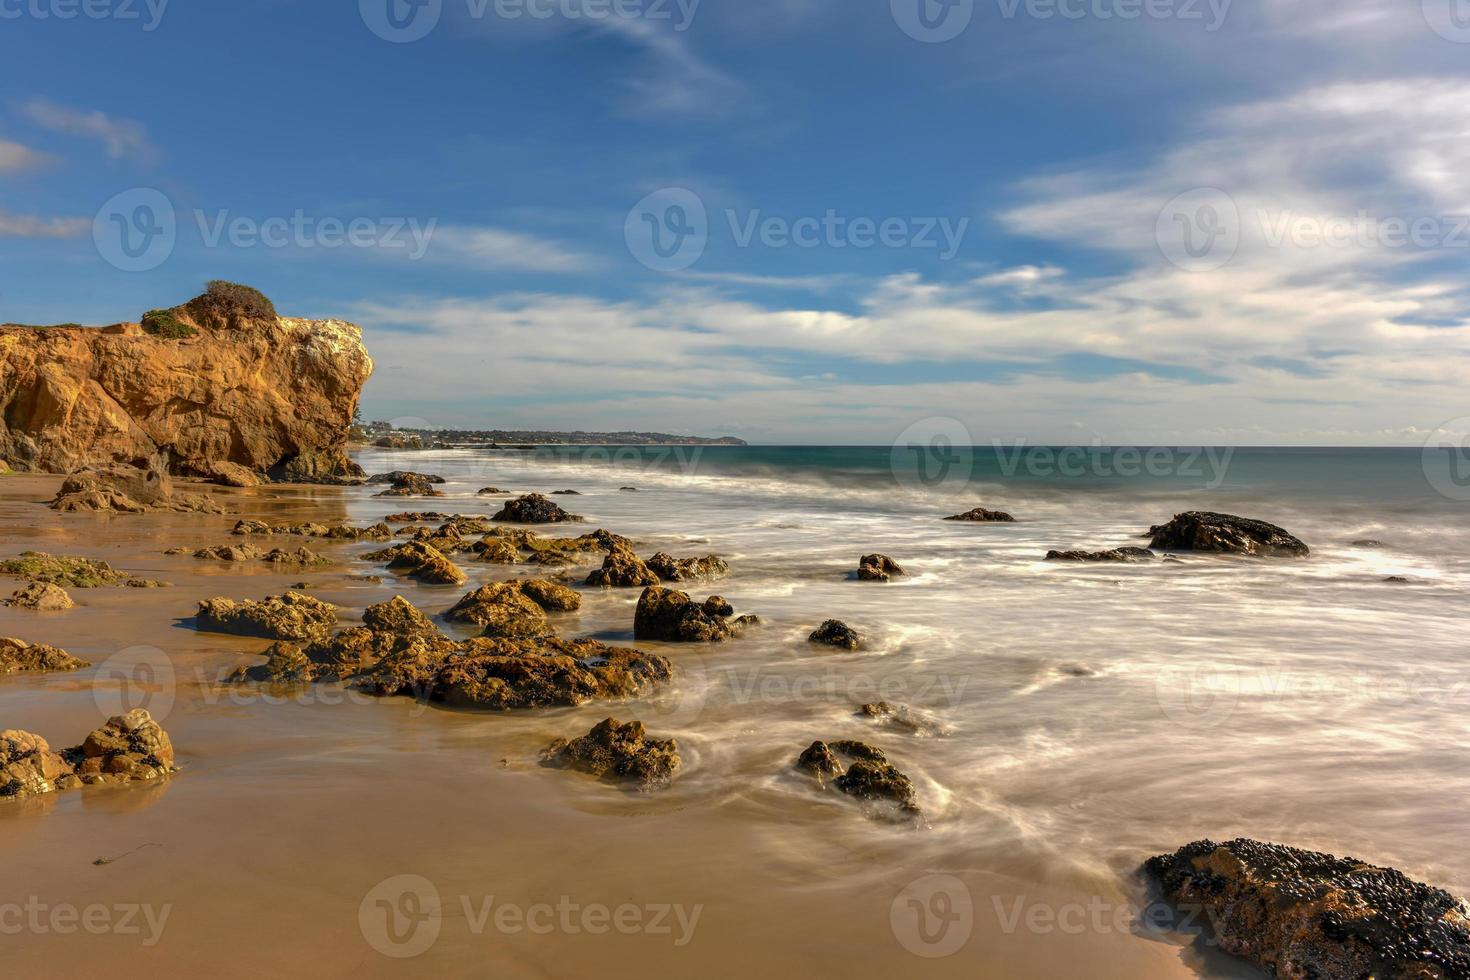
18 656
421 561
980 514
870 777
534 508
878 568
1207 531
1297 913
623 569
836 633
617 751
819 760
413 485
76 573
671 616
671 569
503 610
292 616
42 597
229 552
1117 554
489 492
902 718
402 476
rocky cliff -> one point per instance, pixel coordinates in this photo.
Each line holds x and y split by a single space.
219 379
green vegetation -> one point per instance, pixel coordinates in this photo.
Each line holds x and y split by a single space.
233 297
47 326
163 323
78 573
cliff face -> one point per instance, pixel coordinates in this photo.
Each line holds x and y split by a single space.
274 394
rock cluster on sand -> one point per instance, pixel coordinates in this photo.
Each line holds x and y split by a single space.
304 557
401 476
292 616
398 651
878 568
334 532
421 560
1205 531
671 616
18 656
980 514
128 490
76 573
618 752
512 546
671 569
534 508
623 569
409 485
130 747
221 378
836 633
515 609
1297 913
870 776
1116 554
42 597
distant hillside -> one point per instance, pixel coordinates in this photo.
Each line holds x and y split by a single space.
546 438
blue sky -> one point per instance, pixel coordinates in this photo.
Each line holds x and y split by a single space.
1055 220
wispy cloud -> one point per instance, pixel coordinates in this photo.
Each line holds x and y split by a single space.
28 226
121 138
14 157
499 248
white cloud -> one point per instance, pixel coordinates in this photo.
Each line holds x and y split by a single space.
28 226
498 248
121 138
14 157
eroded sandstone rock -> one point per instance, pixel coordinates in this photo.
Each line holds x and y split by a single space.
42 597
671 616
18 656
292 616
623 569
671 569
76 573
618 752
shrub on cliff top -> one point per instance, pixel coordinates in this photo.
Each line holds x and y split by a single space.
163 323
235 298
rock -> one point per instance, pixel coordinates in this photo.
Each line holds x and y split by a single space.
1397 580
622 569
304 557
628 489
534 508
292 616
902 718
551 596
671 569
399 617
400 440
566 493
403 476
489 492
879 781
500 551
503 610
28 767
878 568
980 514
423 562
224 473
835 633
819 760
1206 531
664 614
228 381
229 552
42 597
146 583
615 751
18 656
413 485
417 517
1117 554
76 573
1368 543
1296 913
129 747
286 666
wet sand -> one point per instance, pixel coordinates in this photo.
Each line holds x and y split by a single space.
265 850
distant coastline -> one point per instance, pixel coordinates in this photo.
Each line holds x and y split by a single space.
379 432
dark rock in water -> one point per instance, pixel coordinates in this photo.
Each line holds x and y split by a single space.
835 633
534 508
1297 913
1206 531
671 569
878 781
18 656
902 718
490 492
421 561
399 476
628 489
551 596
615 751
413 485
623 569
566 493
1397 580
980 514
664 614
1117 554
819 760
292 616
878 568
1368 543
515 609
